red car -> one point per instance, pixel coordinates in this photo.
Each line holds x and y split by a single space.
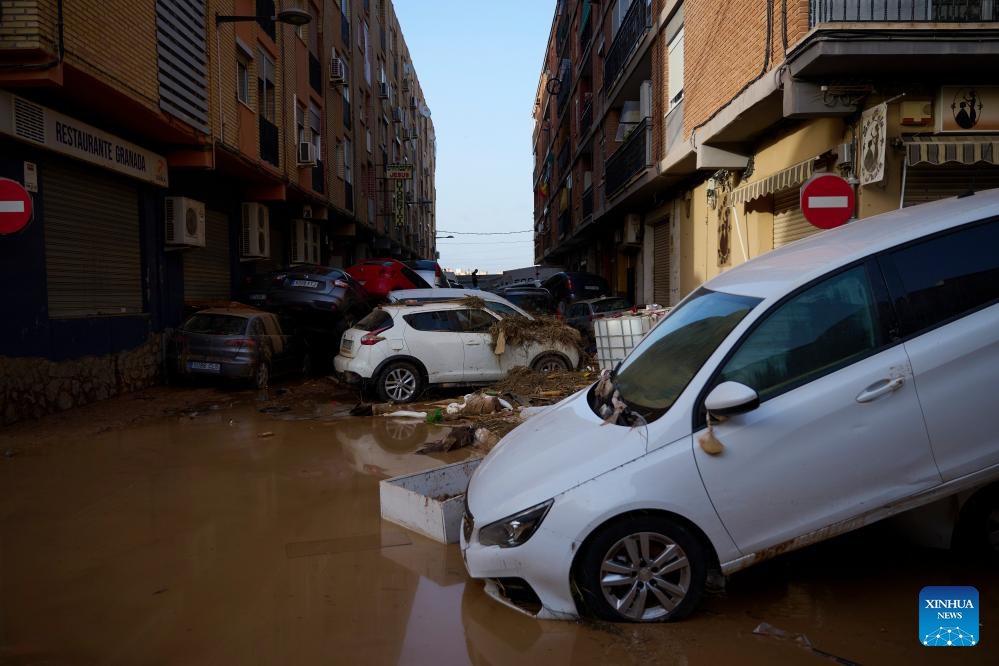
382 275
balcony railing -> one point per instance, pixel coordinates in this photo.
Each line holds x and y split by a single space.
636 23
319 177
269 148
265 8
587 202
315 74
564 223
913 11
629 159
586 118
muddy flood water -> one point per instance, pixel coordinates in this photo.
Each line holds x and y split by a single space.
223 534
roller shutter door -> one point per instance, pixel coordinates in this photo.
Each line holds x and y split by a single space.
660 264
206 269
92 253
930 183
789 222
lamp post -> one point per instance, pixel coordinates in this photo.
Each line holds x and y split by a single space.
291 16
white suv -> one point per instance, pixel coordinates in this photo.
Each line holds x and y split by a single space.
815 389
401 349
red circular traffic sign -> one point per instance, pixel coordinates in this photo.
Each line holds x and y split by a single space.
827 200
15 206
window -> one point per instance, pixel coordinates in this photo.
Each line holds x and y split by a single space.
620 10
475 321
440 321
820 330
367 54
242 79
675 72
942 278
266 96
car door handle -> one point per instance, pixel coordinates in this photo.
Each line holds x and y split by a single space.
878 389
473 342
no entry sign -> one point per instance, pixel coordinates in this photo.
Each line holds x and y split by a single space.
15 206
827 200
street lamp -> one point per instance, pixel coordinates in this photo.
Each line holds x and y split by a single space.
291 16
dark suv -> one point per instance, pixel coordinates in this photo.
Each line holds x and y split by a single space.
570 286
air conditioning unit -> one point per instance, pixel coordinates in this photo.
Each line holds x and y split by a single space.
185 222
405 85
255 242
412 102
304 242
396 115
338 71
306 154
383 89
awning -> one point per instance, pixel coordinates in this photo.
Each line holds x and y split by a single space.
781 180
939 149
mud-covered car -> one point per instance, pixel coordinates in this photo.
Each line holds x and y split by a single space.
401 349
831 383
242 344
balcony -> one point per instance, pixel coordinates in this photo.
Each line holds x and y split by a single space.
914 11
897 40
636 23
586 118
315 74
630 159
563 160
564 223
269 144
587 204
319 177
348 195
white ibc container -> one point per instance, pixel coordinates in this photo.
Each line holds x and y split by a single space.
616 336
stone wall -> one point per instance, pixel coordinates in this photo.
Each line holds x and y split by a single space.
34 387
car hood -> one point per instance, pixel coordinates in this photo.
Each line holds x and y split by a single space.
550 453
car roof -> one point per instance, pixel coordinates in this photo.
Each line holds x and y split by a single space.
602 298
783 269
427 305
440 294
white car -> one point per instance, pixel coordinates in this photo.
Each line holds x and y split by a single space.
494 302
847 377
402 348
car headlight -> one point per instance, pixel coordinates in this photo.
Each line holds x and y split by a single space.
514 530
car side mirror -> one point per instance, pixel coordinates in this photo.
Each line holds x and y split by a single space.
729 398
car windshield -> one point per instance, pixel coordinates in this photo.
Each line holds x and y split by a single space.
215 324
652 377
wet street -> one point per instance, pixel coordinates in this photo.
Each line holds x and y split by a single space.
218 533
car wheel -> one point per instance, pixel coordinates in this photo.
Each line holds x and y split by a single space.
642 569
979 525
550 363
399 382
262 375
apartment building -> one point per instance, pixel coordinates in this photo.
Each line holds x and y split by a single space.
171 149
672 137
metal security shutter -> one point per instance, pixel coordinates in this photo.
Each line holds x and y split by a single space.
660 264
789 222
206 269
930 183
92 253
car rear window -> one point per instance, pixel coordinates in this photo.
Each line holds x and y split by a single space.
376 319
215 324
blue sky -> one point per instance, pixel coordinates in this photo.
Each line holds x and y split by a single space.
478 64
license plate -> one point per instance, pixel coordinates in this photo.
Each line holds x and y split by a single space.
311 284
202 365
